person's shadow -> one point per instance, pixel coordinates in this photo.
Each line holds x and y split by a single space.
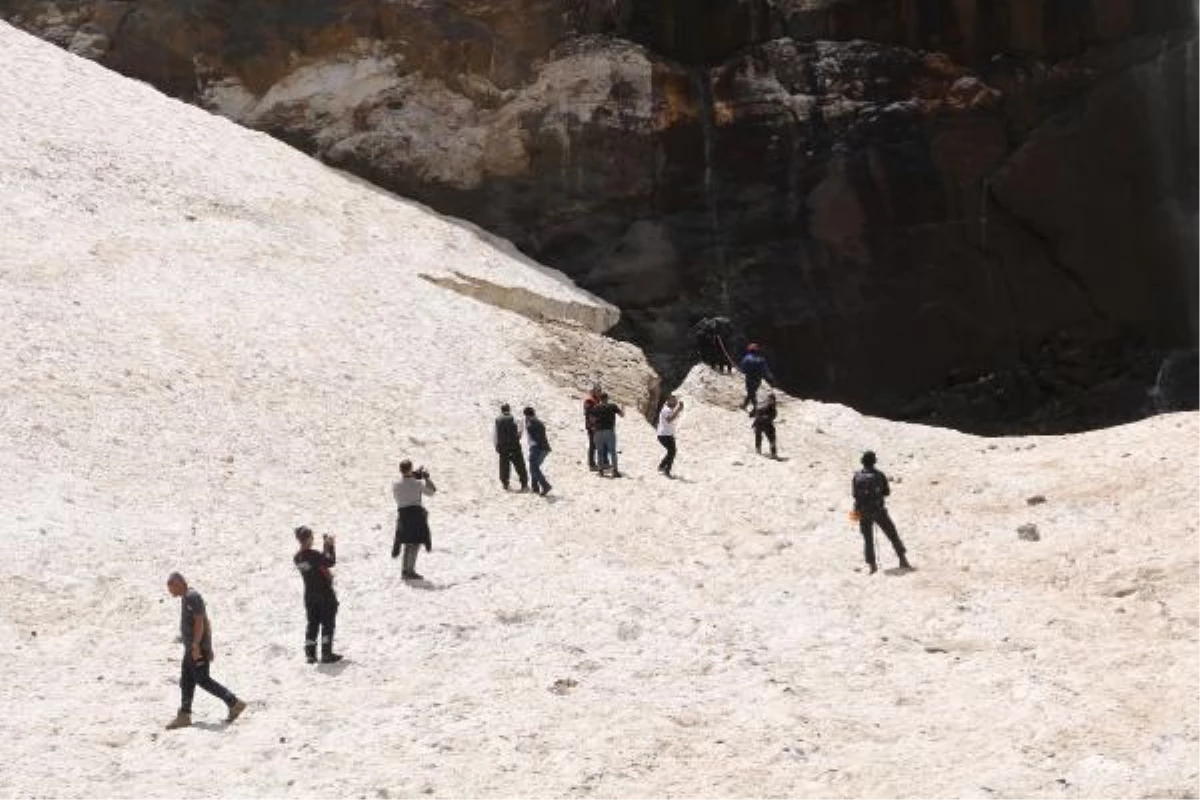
896 572
333 670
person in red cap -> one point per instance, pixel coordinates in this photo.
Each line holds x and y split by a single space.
755 369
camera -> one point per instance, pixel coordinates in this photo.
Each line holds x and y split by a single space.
421 473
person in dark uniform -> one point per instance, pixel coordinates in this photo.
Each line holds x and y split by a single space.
870 488
755 369
320 601
412 521
507 439
764 423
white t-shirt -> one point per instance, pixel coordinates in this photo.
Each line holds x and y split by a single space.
666 427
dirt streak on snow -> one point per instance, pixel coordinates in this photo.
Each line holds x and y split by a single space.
209 339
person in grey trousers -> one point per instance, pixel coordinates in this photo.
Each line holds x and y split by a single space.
412 521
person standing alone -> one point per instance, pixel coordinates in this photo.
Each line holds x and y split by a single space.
320 601
869 488
668 418
507 439
196 634
412 521
539 448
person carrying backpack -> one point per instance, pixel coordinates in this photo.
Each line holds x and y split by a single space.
870 489
764 424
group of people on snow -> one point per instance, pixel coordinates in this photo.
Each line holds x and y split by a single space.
869 489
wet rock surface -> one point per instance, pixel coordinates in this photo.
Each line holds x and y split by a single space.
981 214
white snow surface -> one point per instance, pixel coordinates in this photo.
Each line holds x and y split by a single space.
209 339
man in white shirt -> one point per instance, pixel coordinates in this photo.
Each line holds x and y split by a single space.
668 417
412 524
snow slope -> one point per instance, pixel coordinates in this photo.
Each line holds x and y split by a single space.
209 339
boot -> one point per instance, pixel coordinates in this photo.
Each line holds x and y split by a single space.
310 652
904 563
181 720
327 654
872 569
235 710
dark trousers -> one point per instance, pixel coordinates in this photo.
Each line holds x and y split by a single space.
866 522
322 617
591 449
193 674
668 460
767 430
513 459
536 456
752 385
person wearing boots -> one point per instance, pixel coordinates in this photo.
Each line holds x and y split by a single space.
196 634
764 423
869 488
507 438
412 522
320 601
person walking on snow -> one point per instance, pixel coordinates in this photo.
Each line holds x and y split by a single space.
606 414
755 369
869 488
320 601
196 635
589 424
668 418
764 424
539 448
412 521
506 436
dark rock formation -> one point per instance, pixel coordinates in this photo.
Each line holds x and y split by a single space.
978 212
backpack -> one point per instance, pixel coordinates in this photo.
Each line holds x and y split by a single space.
869 489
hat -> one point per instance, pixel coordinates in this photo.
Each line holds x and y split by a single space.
752 347
868 458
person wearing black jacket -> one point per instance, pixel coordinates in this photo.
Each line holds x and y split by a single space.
764 423
869 488
320 601
507 439
539 448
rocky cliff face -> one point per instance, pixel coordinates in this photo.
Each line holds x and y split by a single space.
981 212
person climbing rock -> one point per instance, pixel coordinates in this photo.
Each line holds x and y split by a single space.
320 601
755 370
196 634
412 521
506 437
870 488
764 424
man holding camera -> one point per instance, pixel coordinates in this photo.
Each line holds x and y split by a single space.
320 601
412 522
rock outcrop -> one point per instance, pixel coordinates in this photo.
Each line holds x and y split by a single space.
970 211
